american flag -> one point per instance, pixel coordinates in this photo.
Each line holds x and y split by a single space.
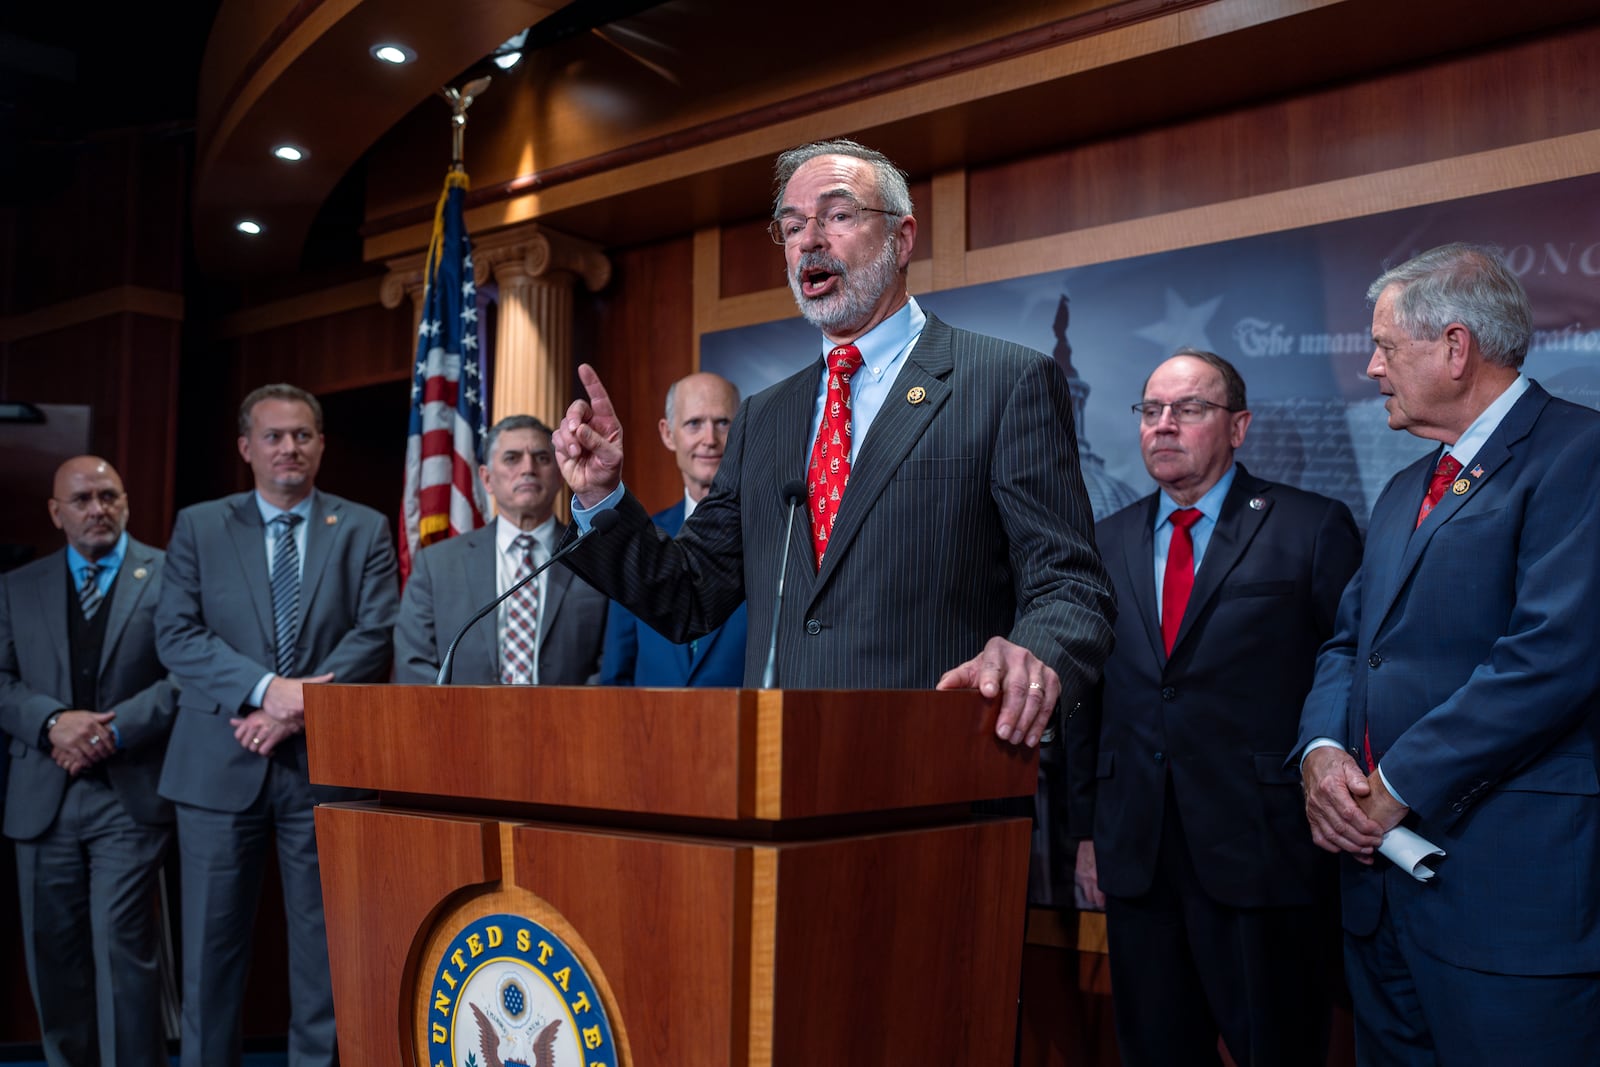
443 496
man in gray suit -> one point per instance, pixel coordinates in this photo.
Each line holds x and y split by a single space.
266 592
961 554
550 633
88 707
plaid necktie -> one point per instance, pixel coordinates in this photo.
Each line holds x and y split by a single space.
522 621
285 593
89 595
829 472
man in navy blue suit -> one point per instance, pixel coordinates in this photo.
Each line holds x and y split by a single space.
1460 693
700 408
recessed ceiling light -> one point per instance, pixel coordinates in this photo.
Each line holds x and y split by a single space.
289 153
249 226
392 53
509 54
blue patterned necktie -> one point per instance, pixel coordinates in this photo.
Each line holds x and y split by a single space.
89 595
285 592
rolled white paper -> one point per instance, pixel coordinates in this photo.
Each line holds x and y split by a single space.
1407 850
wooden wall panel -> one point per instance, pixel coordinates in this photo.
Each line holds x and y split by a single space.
641 340
357 362
105 211
1521 93
125 367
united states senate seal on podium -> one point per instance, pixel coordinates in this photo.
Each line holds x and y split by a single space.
509 993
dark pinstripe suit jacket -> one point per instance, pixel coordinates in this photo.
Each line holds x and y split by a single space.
966 518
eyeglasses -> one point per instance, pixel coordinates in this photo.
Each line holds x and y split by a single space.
835 222
1187 411
107 498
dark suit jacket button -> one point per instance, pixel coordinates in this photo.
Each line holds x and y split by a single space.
1169 693
1159 756
1373 660
1458 807
813 626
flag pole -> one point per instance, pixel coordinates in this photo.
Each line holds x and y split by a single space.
443 496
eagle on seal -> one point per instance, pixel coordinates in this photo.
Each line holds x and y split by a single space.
542 1054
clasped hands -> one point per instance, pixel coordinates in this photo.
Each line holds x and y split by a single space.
80 739
282 714
1349 810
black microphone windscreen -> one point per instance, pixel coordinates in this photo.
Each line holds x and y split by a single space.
602 521
794 491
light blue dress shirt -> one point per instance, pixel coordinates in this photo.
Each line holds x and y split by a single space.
1209 506
883 352
270 540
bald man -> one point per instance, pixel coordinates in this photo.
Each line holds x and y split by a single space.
700 408
88 706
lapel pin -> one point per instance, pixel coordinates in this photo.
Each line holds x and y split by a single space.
140 573
916 394
331 520
1460 487
1477 472
1258 504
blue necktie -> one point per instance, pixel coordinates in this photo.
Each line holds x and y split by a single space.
285 592
89 595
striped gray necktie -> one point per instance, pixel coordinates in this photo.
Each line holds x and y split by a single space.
89 595
285 592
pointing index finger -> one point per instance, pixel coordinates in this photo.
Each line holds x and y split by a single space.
599 399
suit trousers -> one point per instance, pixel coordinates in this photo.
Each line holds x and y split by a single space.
1185 969
90 917
224 860
1415 1010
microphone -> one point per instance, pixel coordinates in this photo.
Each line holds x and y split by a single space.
794 494
599 523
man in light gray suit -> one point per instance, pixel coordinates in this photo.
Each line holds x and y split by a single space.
947 536
88 707
561 625
266 592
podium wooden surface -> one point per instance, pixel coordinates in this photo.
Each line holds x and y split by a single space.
754 877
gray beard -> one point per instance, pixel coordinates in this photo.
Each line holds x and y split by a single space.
852 302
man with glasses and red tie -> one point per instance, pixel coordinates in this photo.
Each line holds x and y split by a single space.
1460 695
945 535
1192 836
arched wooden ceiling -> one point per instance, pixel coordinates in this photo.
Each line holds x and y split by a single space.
622 150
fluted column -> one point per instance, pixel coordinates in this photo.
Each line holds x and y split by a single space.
405 279
535 270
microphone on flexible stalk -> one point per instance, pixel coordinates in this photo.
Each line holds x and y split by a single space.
599 523
794 494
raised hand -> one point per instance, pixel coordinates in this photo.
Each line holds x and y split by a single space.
588 443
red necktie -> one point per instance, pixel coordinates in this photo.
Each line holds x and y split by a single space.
829 472
1443 475
1178 581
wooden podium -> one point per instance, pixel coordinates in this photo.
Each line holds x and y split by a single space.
749 878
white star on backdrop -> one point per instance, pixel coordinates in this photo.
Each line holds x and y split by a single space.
1183 324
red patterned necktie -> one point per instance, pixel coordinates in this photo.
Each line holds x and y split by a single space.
1178 581
829 472
1443 475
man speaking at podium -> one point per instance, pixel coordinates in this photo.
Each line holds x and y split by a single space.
945 538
